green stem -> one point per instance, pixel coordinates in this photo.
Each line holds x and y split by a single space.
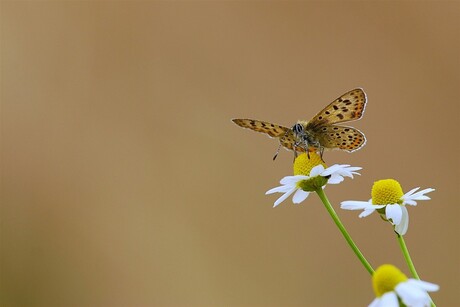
407 257
342 229
410 264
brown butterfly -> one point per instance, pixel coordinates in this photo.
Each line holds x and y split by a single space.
321 132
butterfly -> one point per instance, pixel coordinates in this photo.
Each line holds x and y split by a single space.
321 132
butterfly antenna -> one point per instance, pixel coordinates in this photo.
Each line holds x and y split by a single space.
277 152
279 146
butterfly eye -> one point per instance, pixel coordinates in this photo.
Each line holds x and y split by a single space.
297 128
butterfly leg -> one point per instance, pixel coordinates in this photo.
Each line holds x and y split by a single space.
306 148
294 148
321 152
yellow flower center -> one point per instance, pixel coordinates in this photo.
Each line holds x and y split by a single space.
303 164
387 191
386 278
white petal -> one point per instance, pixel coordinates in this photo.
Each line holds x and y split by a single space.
338 171
353 169
335 179
420 197
356 205
412 295
366 212
411 192
331 169
421 193
299 196
290 180
389 299
402 227
409 202
410 197
280 189
375 303
347 170
394 213
287 180
425 191
283 197
316 170
427 286
345 174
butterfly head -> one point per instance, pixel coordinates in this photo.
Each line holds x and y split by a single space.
298 130
304 138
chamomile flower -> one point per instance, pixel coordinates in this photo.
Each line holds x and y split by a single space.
391 286
310 174
388 200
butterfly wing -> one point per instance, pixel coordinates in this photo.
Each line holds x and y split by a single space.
348 107
342 137
285 135
270 129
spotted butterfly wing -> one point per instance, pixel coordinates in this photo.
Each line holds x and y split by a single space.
348 107
284 134
272 130
341 137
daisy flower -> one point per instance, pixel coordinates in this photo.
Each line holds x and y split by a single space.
388 200
391 286
310 174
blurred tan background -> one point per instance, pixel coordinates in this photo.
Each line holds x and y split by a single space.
124 182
